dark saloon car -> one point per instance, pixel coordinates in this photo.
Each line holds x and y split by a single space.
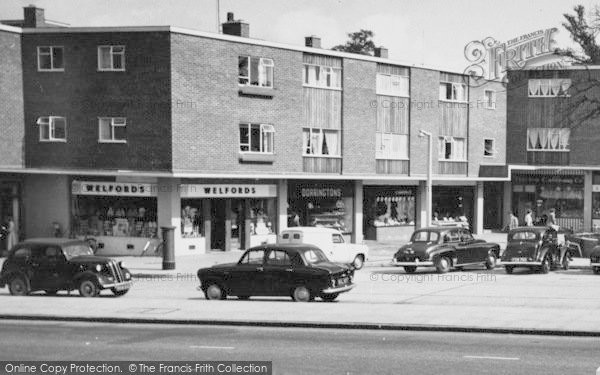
55 264
595 260
300 271
444 248
536 248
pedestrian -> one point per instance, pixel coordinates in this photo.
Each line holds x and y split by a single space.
528 219
551 222
514 221
11 235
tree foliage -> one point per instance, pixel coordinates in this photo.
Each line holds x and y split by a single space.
360 42
583 30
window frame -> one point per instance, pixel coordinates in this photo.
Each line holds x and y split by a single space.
261 62
389 155
560 94
494 150
486 103
262 130
112 126
112 61
51 128
323 70
381 91
321 132
51 54
566 149
465 91
450 139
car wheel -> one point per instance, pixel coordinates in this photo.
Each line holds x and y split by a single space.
597 270
358 262
545 267
565 262
509 269
302 294
51 292
490 262
244 298
88 288
442 264
410 269
329 297
214 292
119 293
18 286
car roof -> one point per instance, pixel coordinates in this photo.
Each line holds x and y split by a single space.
439 229
530 229
292 247
311 230
58 241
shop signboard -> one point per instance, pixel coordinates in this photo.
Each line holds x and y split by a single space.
227 191
111 188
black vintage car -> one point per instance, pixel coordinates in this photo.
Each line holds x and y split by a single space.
444 248
300 271
536 248
595 260
55 264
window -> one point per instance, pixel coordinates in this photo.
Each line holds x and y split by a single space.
424 236
322 76
489 99
452 148
256 138
549 87
52 129
22 253
392 85
51 59
321 142
255 71
456 92
391 146
112 130
548 139
111 58
337 238
253 257
489 148
278 258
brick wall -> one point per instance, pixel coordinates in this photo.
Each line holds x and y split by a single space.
11 105
82 94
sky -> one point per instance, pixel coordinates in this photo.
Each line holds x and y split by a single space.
431 33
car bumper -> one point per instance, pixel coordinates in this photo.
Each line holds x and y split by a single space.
415 263
118 286
527 264
339 289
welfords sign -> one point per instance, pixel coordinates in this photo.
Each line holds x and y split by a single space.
124 189
227 191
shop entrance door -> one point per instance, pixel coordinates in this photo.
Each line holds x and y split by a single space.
217 236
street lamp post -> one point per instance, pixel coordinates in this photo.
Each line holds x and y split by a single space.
429 188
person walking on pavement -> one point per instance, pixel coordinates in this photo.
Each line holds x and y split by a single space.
514 221
11 235
528 219
552 219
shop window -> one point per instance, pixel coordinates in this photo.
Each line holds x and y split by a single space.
262 216
192 221
255 71
321 142
452 148
322 76
50 59
387 209
489 99
52 129
112 130
258 138
392 85
548 139
548 87
111 58
455 92
489 148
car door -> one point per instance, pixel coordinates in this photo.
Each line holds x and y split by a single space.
278 273
247 278
453 239
21 260
338 251
49 268
471 250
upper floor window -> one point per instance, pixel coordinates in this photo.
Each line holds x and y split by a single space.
489 147
548 139
391 146
51 59
111 58
392 85
321 142
112 130
452 148
255 71
456 92
257 138
549 87
489 99
52 129
322 76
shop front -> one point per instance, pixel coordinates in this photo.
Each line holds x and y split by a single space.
228 216
10 213
540 193
389 212
318 204
453 205
596 202
120 216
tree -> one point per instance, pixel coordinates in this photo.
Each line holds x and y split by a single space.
359 42
583 33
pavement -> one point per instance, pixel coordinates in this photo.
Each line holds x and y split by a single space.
473 300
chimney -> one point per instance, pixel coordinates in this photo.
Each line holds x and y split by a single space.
381 52
34 17
237 28
312 41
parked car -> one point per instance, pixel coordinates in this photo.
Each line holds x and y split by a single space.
595 260
331 241
55 264
536 248
445 248
584 243
300 271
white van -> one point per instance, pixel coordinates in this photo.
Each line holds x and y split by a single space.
330 241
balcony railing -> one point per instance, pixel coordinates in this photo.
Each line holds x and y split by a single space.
383 166
452 167
316 164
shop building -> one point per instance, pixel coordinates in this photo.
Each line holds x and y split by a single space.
231 139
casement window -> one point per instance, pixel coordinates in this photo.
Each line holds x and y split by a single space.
548 139
391 146
322 76
111 58
541 88
452 148
451 91
255 71
51 59
489 99
112 130
489 147
257 138
392 85
52 129
321 142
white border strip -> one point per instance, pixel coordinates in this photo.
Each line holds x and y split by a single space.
11 29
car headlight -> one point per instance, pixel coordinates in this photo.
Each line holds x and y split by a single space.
98 268
122 264
127 275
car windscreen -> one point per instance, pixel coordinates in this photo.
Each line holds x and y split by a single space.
524 236
72 251
314 256
425 236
